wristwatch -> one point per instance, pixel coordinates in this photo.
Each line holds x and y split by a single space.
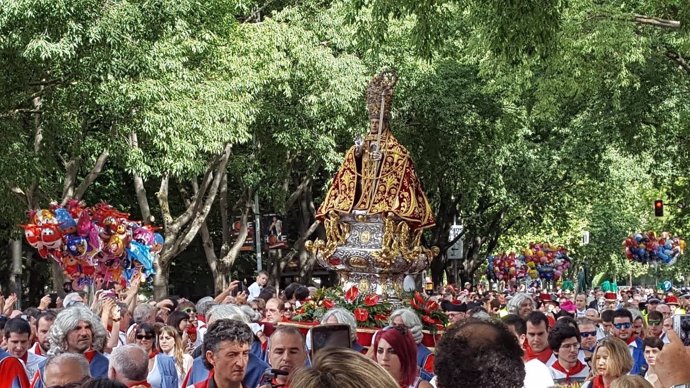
686 385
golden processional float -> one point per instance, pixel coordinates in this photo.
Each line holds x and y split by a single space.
375 210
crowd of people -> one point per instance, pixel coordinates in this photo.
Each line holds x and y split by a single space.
240 338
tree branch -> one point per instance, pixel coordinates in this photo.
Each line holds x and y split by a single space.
229 258
304 185
223 208
656 22
678 59
71 169
205 205
162 195
90 178
139 188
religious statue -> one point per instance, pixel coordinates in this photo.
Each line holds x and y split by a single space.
378 175
375 210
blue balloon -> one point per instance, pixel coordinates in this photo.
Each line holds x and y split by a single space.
668 286
66 223
140 253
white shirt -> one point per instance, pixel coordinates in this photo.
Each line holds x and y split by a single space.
254 291
537 375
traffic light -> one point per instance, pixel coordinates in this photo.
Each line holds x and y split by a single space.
659 208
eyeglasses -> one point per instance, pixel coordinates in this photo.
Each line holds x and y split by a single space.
189 310
619 326
585 334
144 336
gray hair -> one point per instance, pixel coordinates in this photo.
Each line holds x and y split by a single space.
595 310
344 317
254 316
142 311
71 299
204 304
515 302
70 358
635 314
225 311
68 320
225 330
130 361
411 321
585 321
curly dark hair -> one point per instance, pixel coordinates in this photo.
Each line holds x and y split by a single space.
225 330
479 354
561 333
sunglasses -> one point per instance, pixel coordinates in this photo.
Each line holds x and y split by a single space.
144 336
626 325
654 323
189 310
585 334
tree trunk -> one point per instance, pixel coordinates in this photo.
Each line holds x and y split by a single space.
160 279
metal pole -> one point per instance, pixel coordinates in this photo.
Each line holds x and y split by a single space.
17 270
257 231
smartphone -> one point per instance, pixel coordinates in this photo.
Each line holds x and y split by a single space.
53 300
330 336
240 287
681 325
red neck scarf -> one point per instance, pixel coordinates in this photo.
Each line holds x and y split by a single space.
579 367
37 349
90 354
152 353
25 357
631 339
542 356
598 382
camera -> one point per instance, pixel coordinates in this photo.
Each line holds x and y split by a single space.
269 376
681 325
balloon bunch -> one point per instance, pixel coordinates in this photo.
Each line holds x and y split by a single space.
648 248
506 266
92 243
546 261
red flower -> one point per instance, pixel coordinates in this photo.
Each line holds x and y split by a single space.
327 303
431 306
418 298
381 317
361 314
371 300
428 320
351 294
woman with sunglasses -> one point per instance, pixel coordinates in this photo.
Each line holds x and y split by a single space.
396 352
611 360
170 343
162 370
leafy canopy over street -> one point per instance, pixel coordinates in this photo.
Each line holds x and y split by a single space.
528 120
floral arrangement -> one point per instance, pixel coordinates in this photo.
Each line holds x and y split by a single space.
370 310
429 311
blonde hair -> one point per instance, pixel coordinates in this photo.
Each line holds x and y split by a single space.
178 348
631 381
342 368
620 361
